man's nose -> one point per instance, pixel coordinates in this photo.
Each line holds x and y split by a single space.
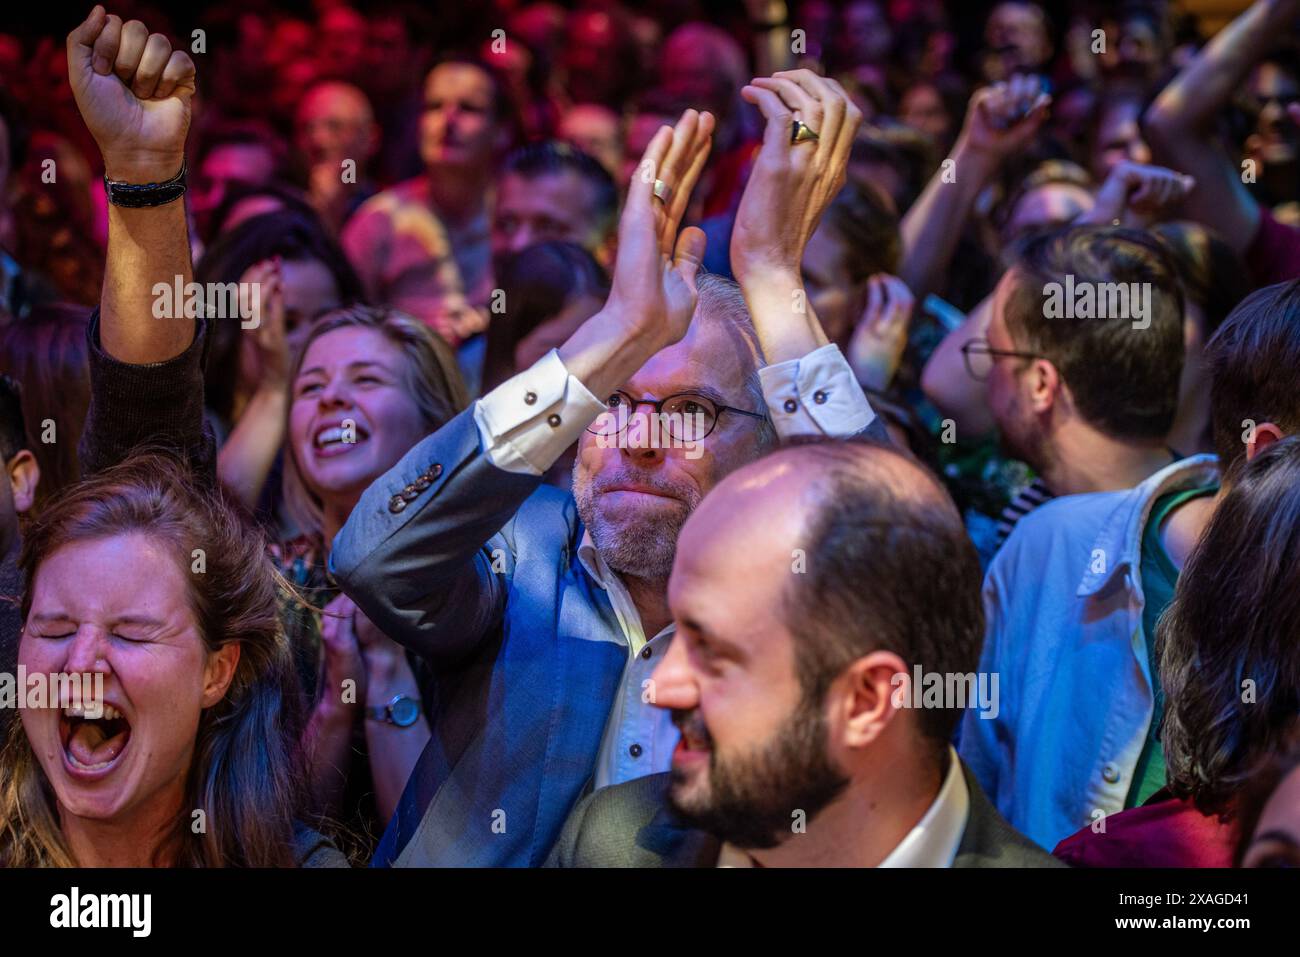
644 437
672 685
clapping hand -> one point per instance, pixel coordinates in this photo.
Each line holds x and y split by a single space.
792 183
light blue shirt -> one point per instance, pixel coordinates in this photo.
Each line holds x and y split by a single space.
1064 604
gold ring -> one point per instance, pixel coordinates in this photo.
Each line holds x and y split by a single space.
662 191
801 132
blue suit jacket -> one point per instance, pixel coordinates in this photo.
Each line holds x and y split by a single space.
476 570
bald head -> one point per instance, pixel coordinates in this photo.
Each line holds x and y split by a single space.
843 547
790 489
335 122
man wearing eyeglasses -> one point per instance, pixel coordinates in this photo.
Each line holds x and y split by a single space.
543 617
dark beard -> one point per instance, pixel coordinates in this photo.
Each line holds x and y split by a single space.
752 799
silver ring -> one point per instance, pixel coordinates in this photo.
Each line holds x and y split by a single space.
662 191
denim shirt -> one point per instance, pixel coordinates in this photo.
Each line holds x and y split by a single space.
1063 599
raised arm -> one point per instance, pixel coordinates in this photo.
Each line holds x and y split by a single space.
146 361
1002 119
808 385
428 552
1179 124
947 383
788 190
133 91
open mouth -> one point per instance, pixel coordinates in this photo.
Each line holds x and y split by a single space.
335 440
92 746
695 742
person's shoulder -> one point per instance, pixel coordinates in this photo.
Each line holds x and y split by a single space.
1168 832
603 828
388 201
1067 516
989 839
641 798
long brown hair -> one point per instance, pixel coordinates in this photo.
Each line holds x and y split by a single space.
1229 659
244 770
431 376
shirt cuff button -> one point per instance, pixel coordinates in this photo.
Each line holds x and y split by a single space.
530 398
790 406
553 420
819 397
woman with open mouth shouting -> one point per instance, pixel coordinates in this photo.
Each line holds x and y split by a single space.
142 577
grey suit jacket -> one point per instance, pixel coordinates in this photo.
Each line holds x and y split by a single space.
632 825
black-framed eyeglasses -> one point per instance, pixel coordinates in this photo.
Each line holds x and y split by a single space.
686 416
979 356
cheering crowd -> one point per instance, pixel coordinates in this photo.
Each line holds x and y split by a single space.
854 434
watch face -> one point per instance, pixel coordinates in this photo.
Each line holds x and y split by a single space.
405 711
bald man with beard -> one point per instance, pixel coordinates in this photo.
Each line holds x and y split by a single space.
807 597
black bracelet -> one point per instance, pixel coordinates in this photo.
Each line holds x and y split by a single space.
140 195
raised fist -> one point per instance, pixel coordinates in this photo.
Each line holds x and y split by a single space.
133 92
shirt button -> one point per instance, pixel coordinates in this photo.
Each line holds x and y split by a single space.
790 405
819 397
422 482
635 750
553 420
410 493
646 652
434 470
396 504
1110 773
530 398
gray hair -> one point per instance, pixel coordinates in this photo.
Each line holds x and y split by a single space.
721 302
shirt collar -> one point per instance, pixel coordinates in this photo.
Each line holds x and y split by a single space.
936 837
1119 544
595 565
933 842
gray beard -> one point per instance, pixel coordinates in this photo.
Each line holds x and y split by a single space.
638 547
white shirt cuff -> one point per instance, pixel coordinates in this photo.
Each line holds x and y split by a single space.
817 394
527 422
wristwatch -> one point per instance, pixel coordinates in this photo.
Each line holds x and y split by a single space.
402 711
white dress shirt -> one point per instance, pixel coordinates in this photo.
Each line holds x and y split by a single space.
933 842
527 422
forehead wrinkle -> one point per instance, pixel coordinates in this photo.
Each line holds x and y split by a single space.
703 364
